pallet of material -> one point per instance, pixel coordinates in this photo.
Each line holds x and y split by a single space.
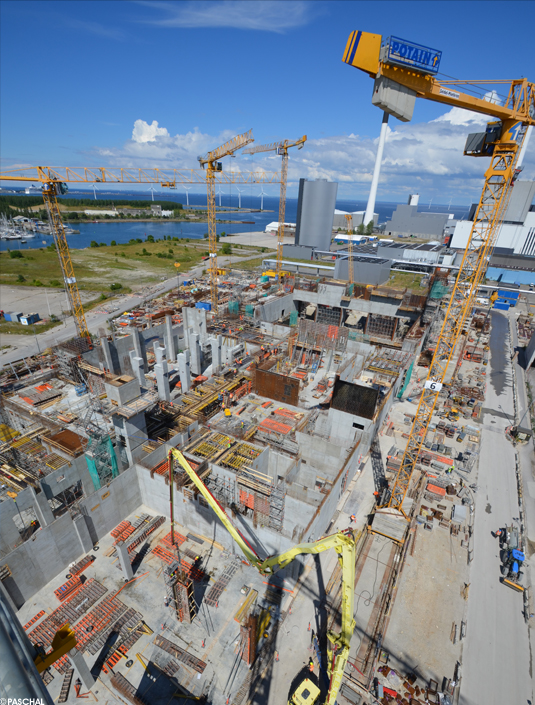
68 588
82 565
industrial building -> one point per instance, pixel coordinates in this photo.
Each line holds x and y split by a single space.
517 232
407 221
357 218
315 213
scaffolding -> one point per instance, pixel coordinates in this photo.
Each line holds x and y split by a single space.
276 508
100 458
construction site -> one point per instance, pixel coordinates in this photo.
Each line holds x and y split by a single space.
256 488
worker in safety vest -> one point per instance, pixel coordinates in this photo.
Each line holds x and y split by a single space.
311 665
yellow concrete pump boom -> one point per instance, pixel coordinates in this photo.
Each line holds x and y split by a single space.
404 71
343 543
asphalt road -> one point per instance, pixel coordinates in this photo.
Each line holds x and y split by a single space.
496 655
96 320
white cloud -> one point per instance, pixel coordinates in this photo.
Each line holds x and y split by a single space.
419 157
262 15
143 132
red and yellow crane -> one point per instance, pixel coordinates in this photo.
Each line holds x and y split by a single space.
404 71
282 149
54 182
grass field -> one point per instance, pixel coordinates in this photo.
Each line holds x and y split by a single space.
408 280
97 268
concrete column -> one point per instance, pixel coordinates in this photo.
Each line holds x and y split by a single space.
42 508
80 526
162 380
159 353
195 351
184 370
139 348
81 669
135 434
138 367
7 597
124 560
216 344
169 336
107 354
185 326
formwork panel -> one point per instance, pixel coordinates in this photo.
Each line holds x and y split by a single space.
277 387
355 399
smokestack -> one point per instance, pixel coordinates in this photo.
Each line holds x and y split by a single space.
370 208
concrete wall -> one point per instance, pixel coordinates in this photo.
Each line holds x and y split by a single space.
201 520
50 550
365 271
275 308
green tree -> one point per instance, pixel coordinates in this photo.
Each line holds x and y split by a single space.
226 249
150 238
16 254
369 228
21 279
93 243
113 243
360 229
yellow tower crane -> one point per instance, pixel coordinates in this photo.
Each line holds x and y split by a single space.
212 165
349 219
54 182
282 149
404 71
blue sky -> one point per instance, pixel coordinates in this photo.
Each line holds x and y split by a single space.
157 83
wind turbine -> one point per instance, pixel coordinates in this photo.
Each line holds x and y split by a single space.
262 194
153 190
449 204
95 191
186 189
239 197
430 202
219 194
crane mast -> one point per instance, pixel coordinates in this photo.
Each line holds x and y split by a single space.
407 70
212 165
50 190
282 149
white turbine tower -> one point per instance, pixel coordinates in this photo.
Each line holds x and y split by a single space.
262 194
187 189
95 191
153 190
219 194
239 197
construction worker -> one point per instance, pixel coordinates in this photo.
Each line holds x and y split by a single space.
352 518
311 665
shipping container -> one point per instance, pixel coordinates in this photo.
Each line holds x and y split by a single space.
29 318
204 304
504 294
14 317
501 306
